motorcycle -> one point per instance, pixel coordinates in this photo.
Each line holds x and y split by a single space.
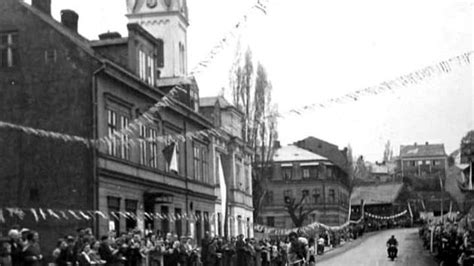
392 251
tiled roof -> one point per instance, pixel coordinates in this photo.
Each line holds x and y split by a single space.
293 153
211 101
422 150
376 193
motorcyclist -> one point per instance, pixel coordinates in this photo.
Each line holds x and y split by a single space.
392 243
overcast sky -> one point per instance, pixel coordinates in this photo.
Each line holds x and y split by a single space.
314 50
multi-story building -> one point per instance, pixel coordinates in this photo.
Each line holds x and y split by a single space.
52 78
425 160
232 158
299 173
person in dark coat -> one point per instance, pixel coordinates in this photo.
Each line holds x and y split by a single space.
240 247
15 246
31 252
205 242
106 252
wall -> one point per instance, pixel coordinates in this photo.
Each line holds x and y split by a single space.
53 94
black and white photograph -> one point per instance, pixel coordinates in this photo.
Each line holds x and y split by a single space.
236 133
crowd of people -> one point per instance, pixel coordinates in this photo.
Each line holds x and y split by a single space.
451 243
22 247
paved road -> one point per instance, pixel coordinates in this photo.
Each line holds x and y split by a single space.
372 251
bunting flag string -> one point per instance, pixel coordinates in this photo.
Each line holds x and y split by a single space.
259 8
413 78
416 77
312 226
379 217
39 214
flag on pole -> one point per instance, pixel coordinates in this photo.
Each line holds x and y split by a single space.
171 157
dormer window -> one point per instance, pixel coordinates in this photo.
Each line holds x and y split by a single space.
146 67
9 57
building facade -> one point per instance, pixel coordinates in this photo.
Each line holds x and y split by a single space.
298 173
423 160
232 158
54 79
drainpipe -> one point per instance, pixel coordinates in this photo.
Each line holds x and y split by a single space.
95 134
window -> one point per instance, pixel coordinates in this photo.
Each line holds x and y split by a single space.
197 164
182 59
332 196
205 165
306 173
165 224
317 195
271 221
142 65
9 55
111 129
219 224
314 173
146 67
198 226
160 54
269 197
329 171
305 195
207 224
239 224
248 177
287 173
148 147
238 174
124 147
50 56
131 209
177 223
413 163
119 142
420 162
216 168
113 206
436 162
287 195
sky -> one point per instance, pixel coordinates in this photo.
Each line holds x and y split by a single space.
316 50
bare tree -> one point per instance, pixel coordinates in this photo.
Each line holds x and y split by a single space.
252 95
299 210
388 152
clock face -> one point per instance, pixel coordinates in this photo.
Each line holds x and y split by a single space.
151 3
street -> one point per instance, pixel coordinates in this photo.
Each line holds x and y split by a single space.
372 251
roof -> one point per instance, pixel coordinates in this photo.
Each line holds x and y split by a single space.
293 153
106 42
211 101
325 149
75 37
376 193
423 150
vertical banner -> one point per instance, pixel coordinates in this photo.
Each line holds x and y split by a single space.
223 187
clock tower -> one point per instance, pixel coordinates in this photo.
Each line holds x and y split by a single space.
166 20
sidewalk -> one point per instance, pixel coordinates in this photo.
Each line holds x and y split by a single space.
332 252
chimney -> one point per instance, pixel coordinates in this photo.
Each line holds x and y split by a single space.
426 143
43 5
276 144
110 35
415 144
69 19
